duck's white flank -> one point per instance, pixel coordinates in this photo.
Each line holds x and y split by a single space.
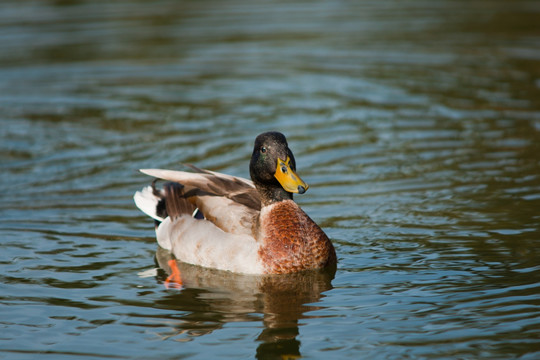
202 243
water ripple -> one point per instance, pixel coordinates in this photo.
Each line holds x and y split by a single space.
415 124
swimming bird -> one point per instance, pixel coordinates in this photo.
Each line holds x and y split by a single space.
231 223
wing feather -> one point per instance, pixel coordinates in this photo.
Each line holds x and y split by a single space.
231 203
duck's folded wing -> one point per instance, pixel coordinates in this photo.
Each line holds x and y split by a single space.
230 202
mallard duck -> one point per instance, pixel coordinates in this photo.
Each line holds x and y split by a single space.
230 223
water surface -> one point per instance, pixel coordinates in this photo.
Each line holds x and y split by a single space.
416 124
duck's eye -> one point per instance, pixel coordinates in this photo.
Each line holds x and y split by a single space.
263 150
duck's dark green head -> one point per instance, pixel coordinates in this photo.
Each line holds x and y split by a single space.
273 168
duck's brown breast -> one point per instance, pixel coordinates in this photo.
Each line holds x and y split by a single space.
291 241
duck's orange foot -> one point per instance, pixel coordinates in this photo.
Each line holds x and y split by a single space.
174 281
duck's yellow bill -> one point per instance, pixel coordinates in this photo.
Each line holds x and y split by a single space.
288 178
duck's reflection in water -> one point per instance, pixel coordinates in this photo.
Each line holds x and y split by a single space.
211 298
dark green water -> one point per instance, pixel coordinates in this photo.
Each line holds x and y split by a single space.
416 124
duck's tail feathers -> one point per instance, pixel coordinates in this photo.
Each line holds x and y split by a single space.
167 202
176 201
151 202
